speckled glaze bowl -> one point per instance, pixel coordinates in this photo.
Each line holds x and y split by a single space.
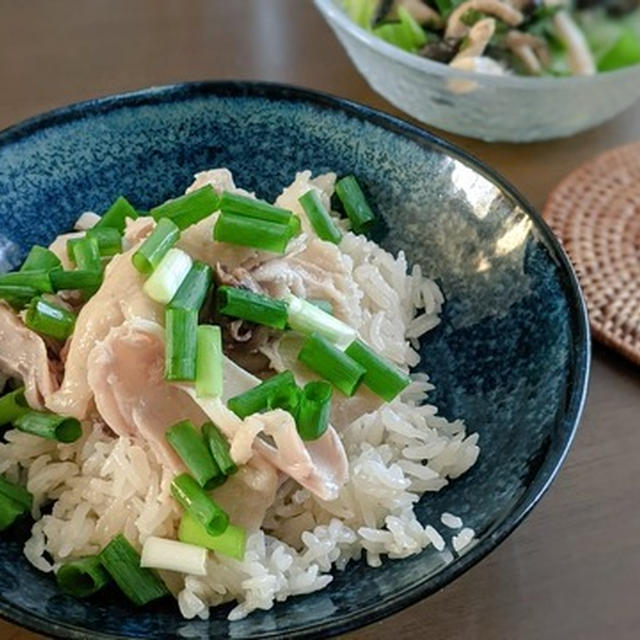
511 355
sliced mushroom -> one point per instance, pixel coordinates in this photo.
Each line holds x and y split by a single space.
531 51
456 28
580 58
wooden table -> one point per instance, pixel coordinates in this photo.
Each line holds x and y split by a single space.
572 570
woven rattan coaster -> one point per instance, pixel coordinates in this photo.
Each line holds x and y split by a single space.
595 212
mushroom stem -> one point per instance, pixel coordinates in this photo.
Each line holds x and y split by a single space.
580 58
456 28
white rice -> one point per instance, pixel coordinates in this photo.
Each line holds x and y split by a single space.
402 450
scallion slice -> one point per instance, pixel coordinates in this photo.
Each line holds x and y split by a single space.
332 364
194 288
171 555
252 232
49 319
189 208
17 296
381 376
122 562
193 451
16 492
115 217
82 577
197 502
315 406
253 307
181 336
109 240
38 280
209 362
325 305
49 425
10 511
12 406
165 281
257 399
219 448
287 399
231 543
307 318
355 204
319 217
75 280
252 208
40 259
85 252
154 248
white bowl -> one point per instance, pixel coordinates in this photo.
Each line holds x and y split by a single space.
493 108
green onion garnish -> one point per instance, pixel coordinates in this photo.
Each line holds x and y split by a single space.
109 240
252 208
16 493
382 377
319 217
252 232
209 362
194 288
190 446
257 399
307 318
38 280
197 502
12 406
285 398
313 414
332 364
75 280
253 307
10 511
355 204
122 562
172 555
188 209
85 252
150 253
165 281
40 259
219 448
116 215
49 319
181 331
325 305
17 295
82 577
231 543
49 425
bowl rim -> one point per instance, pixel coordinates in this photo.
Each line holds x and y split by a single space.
334 14
580 349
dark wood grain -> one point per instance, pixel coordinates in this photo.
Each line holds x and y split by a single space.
572 570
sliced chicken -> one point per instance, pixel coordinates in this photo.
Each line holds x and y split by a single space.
23 354
119 298
59 247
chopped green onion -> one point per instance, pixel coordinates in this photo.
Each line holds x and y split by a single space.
382 377
171 555
319 217
252 208
194 288
355 204
49 425
415 33
332 364
219 448
209 362
197 502
16 493
154 248
38 280
115 217
257 399
75 280
82 577
165 281
109 240
181 339
40 259
17 295
12 406
253 307
325 305
315 407
49 319
252 232
231 543
624 52
285 398
189 208
122 562
85 252
307 318
294 226
190 446
10 511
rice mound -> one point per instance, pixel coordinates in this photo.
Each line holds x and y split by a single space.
104 485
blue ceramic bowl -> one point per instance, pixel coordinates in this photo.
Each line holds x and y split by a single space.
511 355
